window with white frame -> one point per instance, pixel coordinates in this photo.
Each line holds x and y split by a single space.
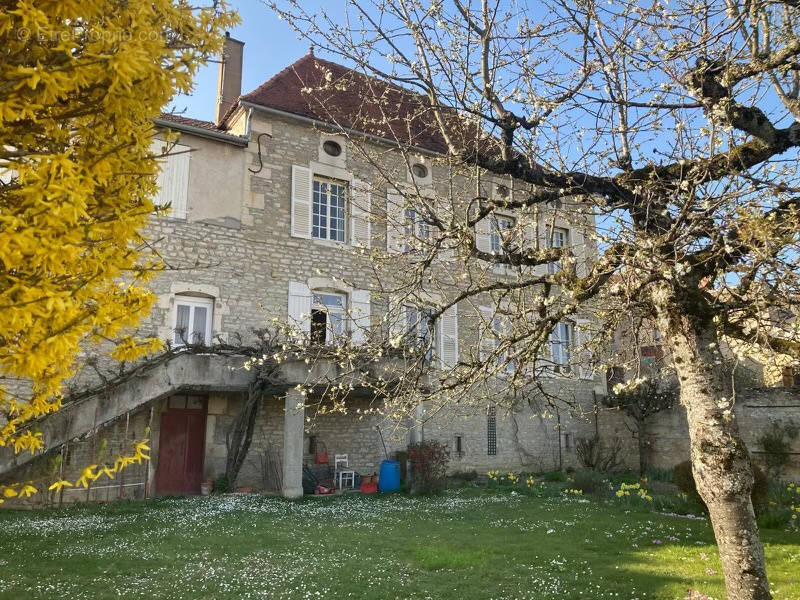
558 237
499 226
193 318
561 342
328 317
328 209
500 329
419 329
415 228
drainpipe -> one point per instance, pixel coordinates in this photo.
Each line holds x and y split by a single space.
558 431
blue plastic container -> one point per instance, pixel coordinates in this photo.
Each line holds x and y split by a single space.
389 478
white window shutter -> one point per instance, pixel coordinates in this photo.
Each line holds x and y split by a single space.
173 179
395 230
300 309
448 338
483 238
579 250
487 341
583 337
301 201
397 319
530 229
360 212
444 211
360 316
446 254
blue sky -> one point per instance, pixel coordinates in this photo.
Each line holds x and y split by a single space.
270 45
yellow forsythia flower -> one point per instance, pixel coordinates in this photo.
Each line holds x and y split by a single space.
79 177
60 484
27 490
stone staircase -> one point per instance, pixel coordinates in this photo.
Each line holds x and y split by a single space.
185 373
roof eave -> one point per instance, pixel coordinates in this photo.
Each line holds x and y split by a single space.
200 132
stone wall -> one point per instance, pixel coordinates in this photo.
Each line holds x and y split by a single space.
531 434
527 437
758 411
353 434
68 461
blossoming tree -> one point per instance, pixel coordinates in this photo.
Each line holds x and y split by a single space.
674 125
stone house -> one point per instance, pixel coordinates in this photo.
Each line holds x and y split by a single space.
273 210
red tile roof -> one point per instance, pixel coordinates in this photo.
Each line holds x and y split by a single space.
332 93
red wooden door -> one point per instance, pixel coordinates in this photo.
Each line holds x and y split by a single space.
180 452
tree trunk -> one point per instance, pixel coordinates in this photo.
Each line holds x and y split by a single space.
720 460
241 433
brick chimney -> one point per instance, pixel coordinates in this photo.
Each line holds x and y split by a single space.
229 81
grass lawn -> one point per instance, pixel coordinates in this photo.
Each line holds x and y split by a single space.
468 543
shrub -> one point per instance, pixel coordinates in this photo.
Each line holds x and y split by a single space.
784 494
679 505
553 476
592 454
221 484
774 519
684 479
428 466
590 482
465 475
658 474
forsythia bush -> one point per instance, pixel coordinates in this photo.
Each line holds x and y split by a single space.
81 82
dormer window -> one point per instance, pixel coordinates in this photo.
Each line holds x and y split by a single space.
419 170
332 148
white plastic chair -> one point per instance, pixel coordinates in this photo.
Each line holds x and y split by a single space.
344 476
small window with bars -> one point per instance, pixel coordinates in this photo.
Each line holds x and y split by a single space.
491 431
458 445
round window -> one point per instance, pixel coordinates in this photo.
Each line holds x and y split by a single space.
419 170
332 148
502 191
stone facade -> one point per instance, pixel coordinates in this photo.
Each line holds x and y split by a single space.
758 411
234 246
